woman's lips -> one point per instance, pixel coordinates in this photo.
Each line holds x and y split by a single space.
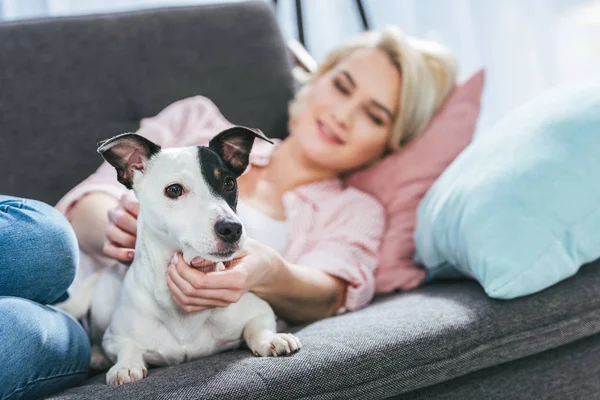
328 134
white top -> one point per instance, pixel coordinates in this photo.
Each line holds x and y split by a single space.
264 229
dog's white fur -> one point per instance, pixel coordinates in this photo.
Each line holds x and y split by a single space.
131 310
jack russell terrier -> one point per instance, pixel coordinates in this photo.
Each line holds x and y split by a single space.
188 198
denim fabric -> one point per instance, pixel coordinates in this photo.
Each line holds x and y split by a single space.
42 350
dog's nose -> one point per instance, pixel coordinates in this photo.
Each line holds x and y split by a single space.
229 231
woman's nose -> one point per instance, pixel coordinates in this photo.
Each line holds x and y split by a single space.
343 114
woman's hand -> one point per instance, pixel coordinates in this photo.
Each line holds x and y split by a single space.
251 269
122 229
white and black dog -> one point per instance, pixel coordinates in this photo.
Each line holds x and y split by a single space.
188 198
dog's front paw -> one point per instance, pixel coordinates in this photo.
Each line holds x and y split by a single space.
120 374
280 344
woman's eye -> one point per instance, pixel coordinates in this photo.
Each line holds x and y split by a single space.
229 184
375 119
174 191
338 85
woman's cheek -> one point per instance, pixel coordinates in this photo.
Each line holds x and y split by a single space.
358 156
373 143
326 95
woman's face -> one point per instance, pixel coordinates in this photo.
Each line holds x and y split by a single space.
347 114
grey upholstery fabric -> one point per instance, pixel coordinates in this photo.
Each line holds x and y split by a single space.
568 372
397 345
67 83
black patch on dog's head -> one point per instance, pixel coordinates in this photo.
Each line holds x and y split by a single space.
215 173
226 158
127 153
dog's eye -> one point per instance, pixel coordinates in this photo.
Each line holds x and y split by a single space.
174 191
229 184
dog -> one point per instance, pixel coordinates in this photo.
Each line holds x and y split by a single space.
188 198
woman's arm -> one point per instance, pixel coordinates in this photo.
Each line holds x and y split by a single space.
298 294
301 294
105 226
89 219
336 275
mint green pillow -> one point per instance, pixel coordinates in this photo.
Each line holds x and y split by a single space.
519 208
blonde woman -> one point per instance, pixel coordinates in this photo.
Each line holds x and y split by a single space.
315 241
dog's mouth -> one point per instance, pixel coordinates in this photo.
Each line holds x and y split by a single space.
207 269
206 266
223 254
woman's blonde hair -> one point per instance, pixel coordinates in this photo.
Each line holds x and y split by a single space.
428 72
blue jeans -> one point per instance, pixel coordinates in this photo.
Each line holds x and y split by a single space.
42 350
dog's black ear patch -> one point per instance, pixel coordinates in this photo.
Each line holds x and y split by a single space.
233 145
218 176
127 152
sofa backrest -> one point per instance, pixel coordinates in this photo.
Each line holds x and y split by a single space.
66 83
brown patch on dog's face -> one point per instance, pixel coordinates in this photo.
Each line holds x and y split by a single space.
217 172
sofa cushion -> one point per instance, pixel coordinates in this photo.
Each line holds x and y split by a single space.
519 209
401 180
398 344
66 83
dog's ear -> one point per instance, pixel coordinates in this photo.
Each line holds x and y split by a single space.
233 145
127 152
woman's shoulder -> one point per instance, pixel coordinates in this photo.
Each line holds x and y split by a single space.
365 203
353 195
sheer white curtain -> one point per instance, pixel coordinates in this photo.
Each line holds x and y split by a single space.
525 46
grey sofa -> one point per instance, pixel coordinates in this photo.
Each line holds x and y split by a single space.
66 83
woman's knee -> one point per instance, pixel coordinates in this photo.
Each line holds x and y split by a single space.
60 241
38 250
46 349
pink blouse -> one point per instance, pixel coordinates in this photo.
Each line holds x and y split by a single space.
333 228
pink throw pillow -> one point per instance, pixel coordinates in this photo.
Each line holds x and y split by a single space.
401 180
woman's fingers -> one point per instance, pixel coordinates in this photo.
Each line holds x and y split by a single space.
118 253
183 285
194 290
131 205
122 219
219 296
121 230
119 237
192 303
232 279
